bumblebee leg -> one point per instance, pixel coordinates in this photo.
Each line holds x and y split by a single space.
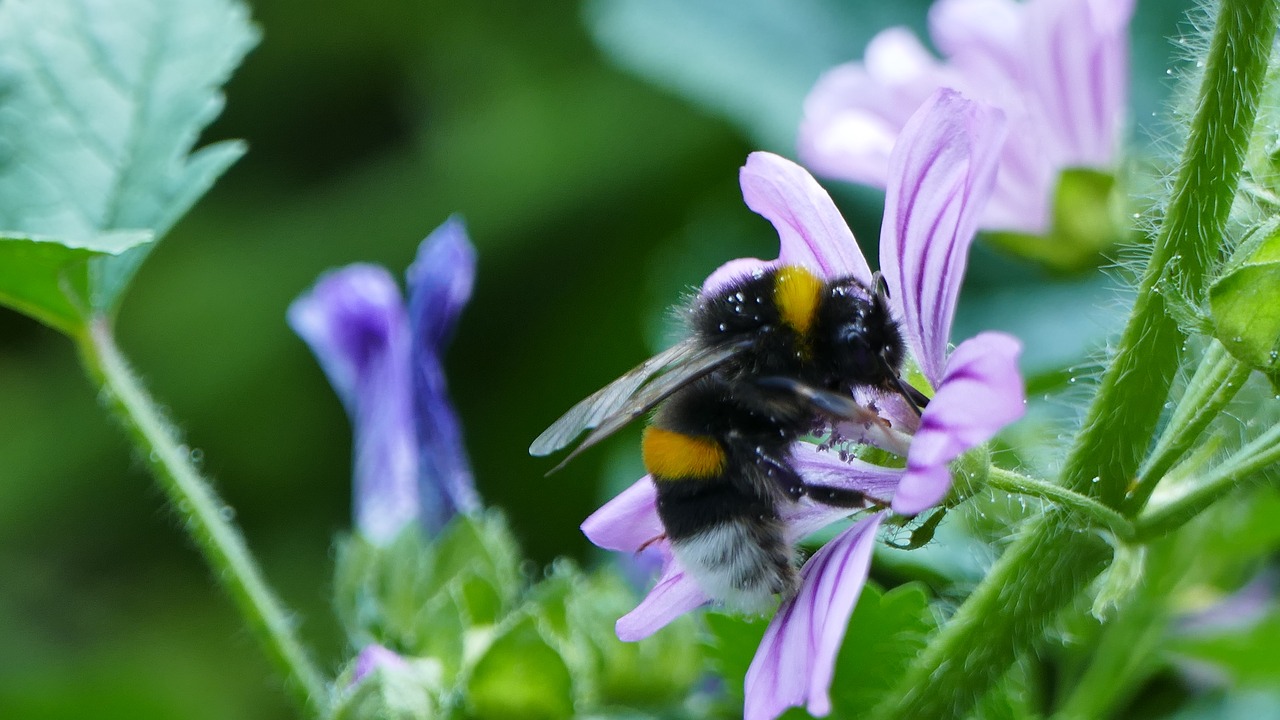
836 496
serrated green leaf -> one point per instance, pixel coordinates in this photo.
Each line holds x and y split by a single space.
101 102
885 633
1245 304
49 280
520 676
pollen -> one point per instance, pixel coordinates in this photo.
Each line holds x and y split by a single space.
675 456
797 292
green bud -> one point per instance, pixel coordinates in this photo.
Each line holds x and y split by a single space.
1087 221
426 598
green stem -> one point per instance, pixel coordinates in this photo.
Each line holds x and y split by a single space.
1215 382
1080 505
192 497
1048 564
1246 463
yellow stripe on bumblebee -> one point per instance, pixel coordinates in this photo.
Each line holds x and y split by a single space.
797 292
674 456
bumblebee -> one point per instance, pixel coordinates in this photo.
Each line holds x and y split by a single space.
770 357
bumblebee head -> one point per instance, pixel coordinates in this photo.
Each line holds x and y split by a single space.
864 341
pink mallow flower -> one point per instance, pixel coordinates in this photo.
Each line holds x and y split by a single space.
940 175
1058 69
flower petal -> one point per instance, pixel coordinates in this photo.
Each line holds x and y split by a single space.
440 282
1078 68
355 323
940 177
983 36
825 467
675 594
796 659
629 521
811 230
981 392
372 658
732 270
854 113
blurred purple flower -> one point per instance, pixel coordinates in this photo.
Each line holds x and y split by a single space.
941 175
1058 69
384 363
372 658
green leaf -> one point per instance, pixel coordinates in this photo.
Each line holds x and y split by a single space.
100 106
1245 303
521 676
887 631
49 280
733 644
656 672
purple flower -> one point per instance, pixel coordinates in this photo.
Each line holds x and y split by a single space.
1058 69
384 363
375 657
941 175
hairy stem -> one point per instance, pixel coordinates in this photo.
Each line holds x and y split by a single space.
193 498
1048 564
1082 506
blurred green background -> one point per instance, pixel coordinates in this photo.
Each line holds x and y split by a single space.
595 199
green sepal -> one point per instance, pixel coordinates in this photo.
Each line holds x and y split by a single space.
1120 581
50 279
1086 223
1244 303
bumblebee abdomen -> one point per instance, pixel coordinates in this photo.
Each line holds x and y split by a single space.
732 542
742 564
723 526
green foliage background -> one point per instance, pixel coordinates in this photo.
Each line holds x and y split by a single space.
594 198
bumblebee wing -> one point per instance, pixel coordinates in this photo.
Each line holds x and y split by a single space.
607 400
632 395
